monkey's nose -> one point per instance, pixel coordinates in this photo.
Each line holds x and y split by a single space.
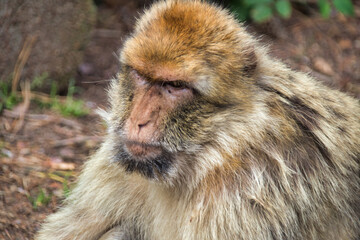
142 130
141 125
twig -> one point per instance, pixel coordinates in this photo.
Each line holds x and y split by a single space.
44 117
24 107
8 234
43 97
46 98
22 59
98 81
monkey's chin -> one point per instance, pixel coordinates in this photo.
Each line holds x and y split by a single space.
151 161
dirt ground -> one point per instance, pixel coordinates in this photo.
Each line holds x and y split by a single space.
41 152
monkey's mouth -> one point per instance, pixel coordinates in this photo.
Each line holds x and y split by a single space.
151 161
142 150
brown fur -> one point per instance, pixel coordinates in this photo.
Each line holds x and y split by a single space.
259 152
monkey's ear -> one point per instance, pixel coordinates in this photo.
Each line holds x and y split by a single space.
250 62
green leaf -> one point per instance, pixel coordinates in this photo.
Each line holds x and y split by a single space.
53 90
240 9
39 81
261 13
344 6
242 13
283 7
325 8
40 199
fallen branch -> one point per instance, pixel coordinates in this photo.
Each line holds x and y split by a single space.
23 108
43 117
22 59
45 98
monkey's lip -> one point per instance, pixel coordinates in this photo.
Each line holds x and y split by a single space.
142 150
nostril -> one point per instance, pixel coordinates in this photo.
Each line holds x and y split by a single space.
143 124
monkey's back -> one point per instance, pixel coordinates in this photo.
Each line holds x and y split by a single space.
309 156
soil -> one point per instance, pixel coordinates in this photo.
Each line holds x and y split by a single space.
41 152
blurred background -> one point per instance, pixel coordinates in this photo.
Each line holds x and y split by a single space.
56 60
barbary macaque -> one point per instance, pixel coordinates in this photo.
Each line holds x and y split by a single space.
211 138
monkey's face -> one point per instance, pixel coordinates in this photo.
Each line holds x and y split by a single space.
149 137
179 72
161 121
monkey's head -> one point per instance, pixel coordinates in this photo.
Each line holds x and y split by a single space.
185 72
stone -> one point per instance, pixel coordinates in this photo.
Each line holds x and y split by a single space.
52 33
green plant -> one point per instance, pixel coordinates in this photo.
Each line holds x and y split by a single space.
41 199
66 187
70 107
263 10
344 6
38 81
63 177
7 99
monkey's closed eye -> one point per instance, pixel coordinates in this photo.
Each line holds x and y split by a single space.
177 88
175 84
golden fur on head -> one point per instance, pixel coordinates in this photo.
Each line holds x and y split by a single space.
260 152
190 41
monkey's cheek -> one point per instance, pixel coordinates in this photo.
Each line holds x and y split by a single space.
142 152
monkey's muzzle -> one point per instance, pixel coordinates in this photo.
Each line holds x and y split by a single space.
142 150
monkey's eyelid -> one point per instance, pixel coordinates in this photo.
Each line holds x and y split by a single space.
143 78
176 84
138 77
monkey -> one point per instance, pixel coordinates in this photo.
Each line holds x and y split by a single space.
209 137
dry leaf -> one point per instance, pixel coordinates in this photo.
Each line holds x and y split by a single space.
322 66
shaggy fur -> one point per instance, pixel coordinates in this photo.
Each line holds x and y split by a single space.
260 152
